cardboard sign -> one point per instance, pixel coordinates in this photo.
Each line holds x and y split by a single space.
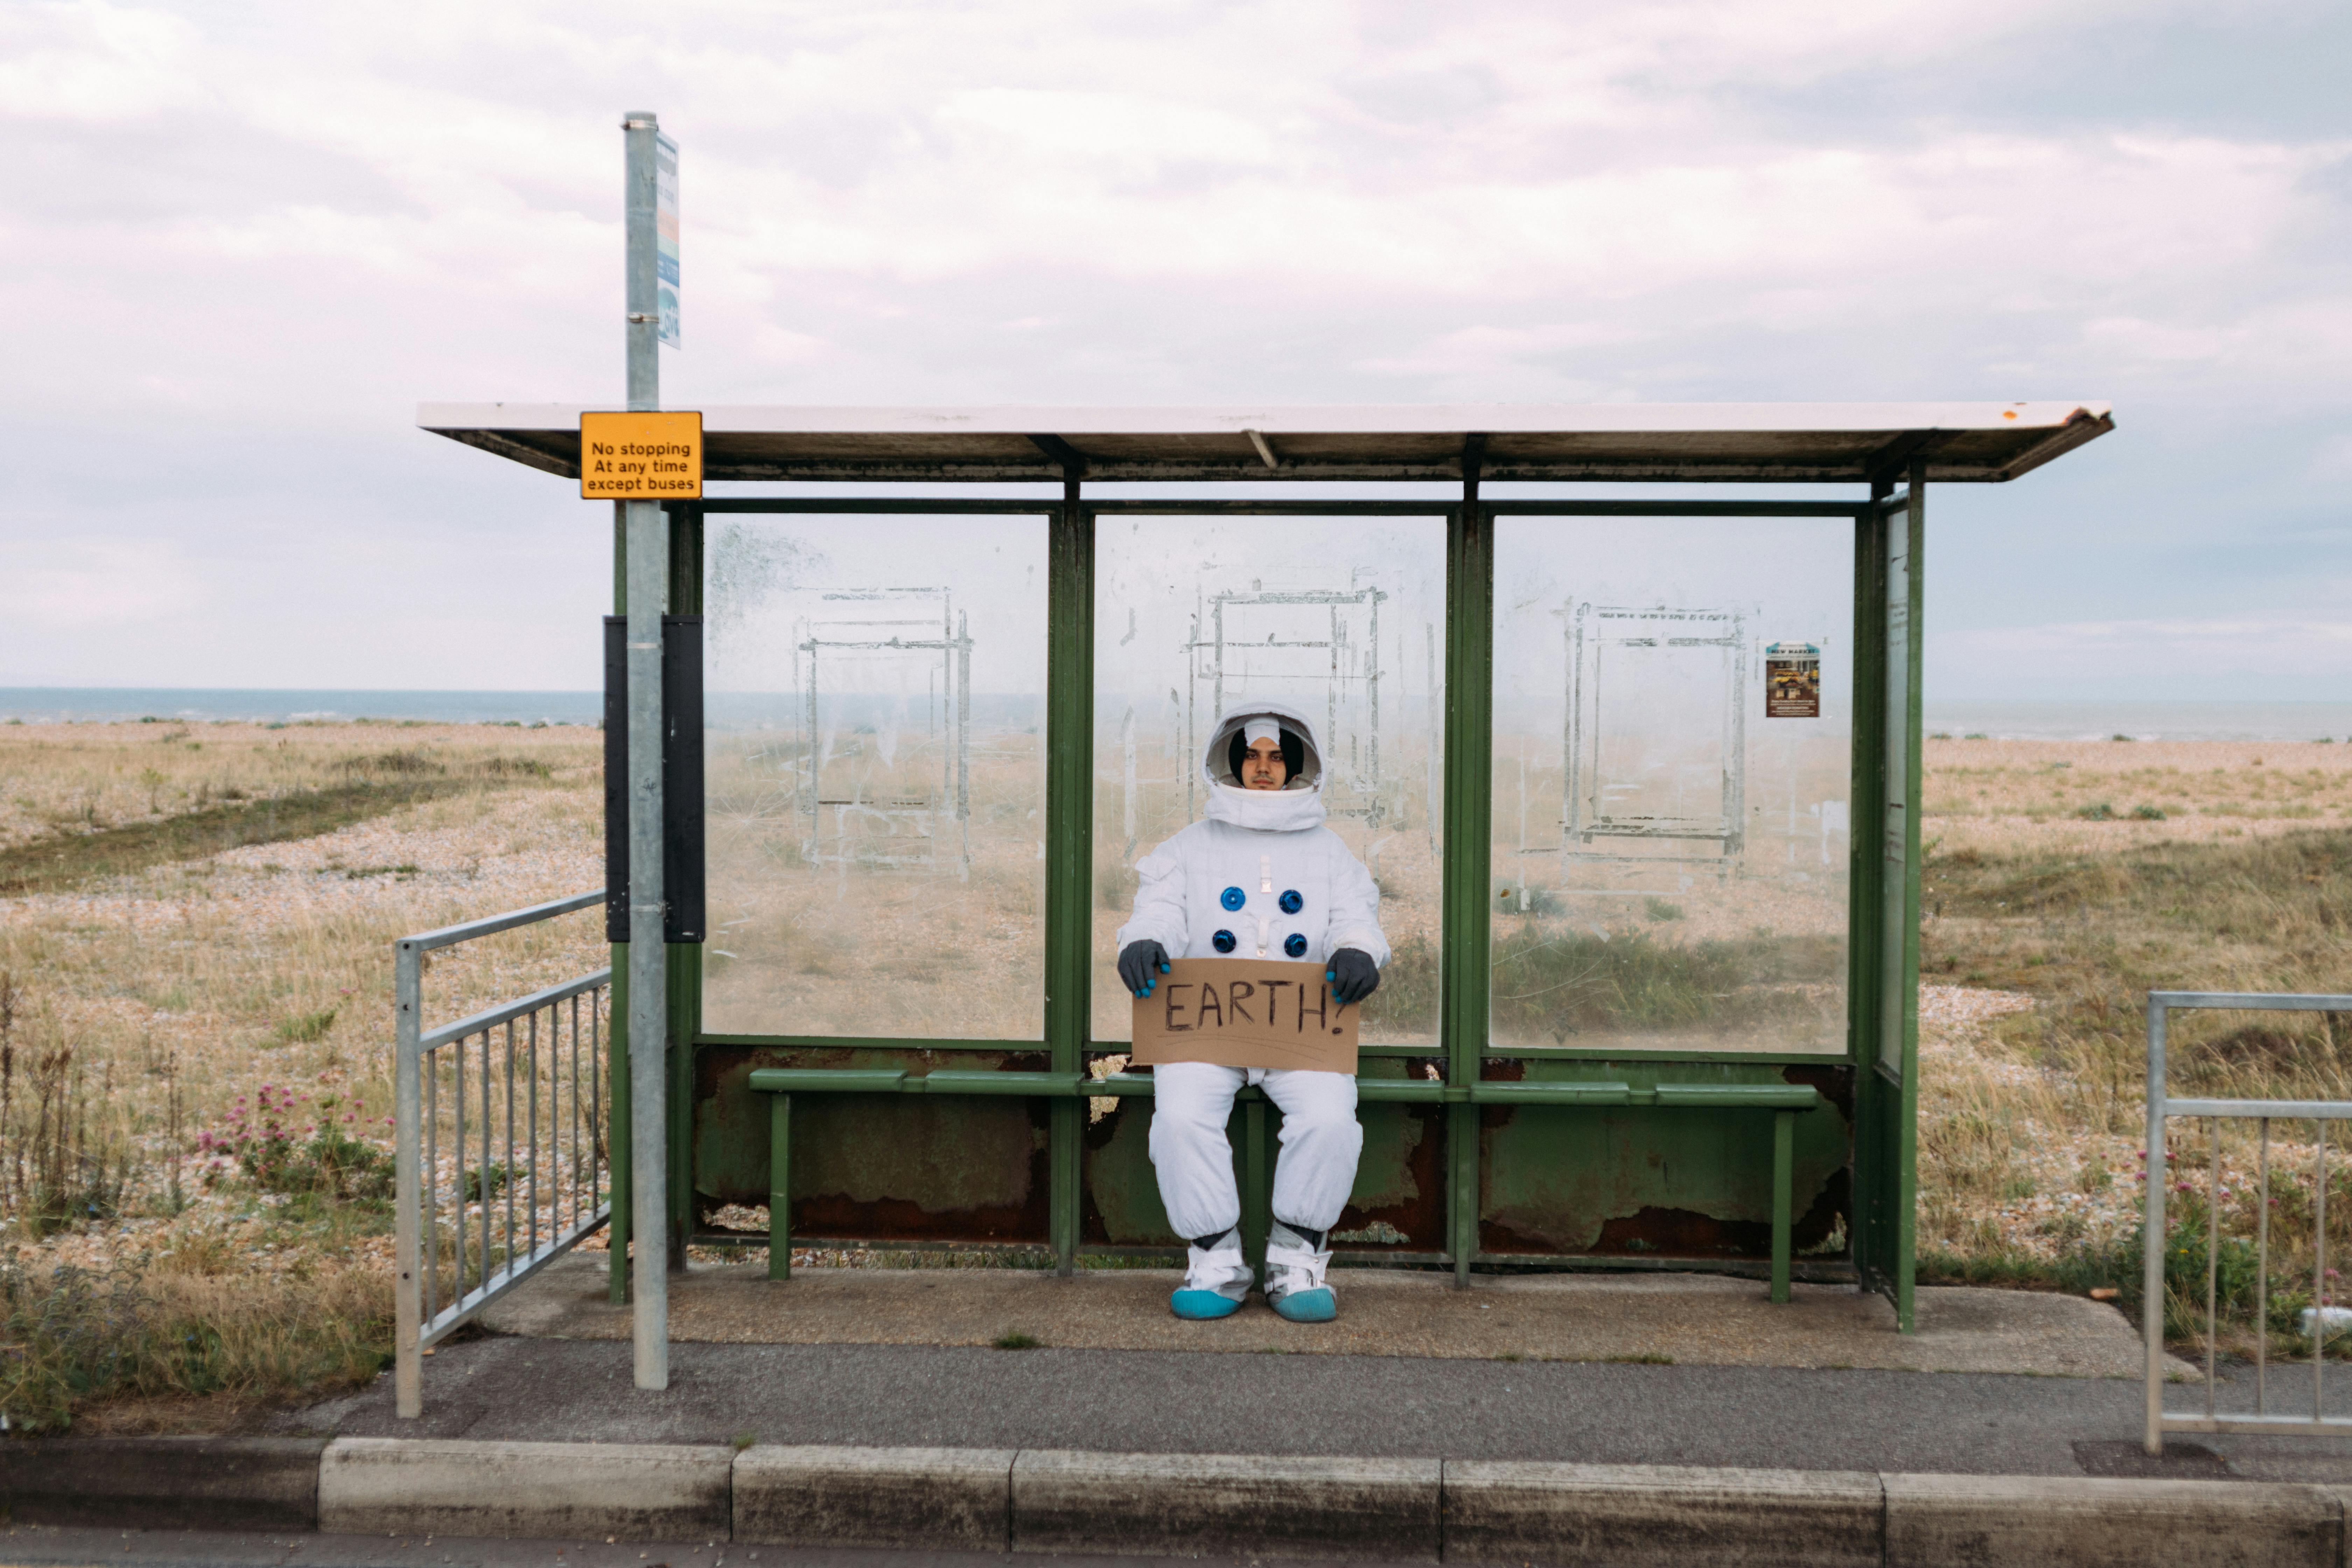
1792 680
1245 1013
641 457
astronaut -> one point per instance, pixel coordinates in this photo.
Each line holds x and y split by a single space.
1260 878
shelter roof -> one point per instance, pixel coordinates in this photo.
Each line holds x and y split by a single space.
1807 442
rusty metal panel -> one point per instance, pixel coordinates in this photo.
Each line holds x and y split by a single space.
1118 1194
877 1167
1658 1183
1398 1201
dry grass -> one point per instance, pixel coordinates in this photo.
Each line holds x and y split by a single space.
2061 915
272 962
160 1344
2012 797
179 989
66 779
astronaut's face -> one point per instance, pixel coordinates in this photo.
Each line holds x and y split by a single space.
1263 767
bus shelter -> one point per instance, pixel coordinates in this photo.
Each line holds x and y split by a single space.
1638 779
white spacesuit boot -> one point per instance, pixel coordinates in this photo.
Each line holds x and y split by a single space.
1216 1277
1295 1263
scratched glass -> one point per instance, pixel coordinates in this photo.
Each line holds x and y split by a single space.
1344 618
876 782
1669 868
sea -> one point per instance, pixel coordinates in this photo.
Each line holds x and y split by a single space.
130 704
2024 721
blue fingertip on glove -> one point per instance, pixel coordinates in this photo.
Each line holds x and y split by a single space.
1137 960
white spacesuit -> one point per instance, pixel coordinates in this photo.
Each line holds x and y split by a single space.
1260 878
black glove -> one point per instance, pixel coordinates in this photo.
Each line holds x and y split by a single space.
1353 975
1139 965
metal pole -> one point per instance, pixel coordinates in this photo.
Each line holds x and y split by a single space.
2212 1259
2262 1279
2151 1305
612 1059
647 530
1875 1097
2319 1282
408 1374
1898 997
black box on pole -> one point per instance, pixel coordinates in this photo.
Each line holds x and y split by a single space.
684 919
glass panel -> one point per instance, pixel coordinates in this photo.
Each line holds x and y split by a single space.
1343 618
1673 730
876 782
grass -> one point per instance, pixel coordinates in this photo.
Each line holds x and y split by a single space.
77 778
75 853
250 969
1556 980
1560 982
309 1027
77 1337
2030 1162
65 860
1016 1341
194 1072
2086 933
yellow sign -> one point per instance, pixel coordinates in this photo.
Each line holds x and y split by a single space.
641 457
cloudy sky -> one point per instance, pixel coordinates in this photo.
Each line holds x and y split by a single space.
251 237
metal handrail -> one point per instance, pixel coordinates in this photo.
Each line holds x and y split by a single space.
2162 1108
490 925
559 1069
506 1011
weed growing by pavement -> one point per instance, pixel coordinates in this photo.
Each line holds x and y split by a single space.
60 1164
76 1337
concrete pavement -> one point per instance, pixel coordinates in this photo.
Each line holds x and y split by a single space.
1383 1406
1688 1318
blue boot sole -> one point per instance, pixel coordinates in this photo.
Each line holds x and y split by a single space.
1199 1306
1317 1306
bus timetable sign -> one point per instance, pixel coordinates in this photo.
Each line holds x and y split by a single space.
641 457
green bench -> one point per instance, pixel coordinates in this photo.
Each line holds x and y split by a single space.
1785 1102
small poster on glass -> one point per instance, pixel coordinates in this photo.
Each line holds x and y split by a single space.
1792 680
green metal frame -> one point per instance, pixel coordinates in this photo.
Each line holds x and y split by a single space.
684 1006
1884 893
1465 925
1883 944
1069 840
